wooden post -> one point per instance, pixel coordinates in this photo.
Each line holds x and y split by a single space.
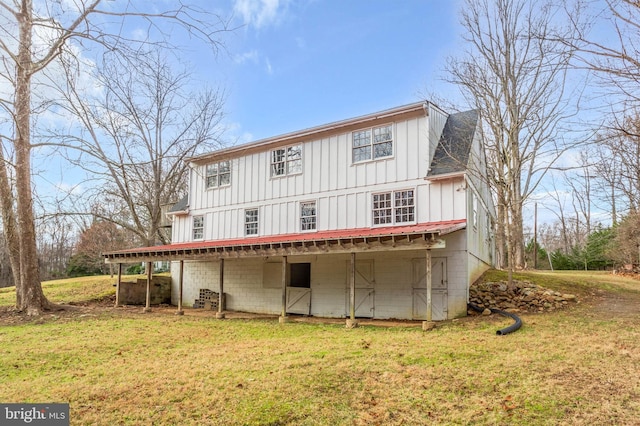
351 322
118 285
428 277
220 314
283 317
180 282
147 307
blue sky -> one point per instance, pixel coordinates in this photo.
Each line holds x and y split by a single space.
297 64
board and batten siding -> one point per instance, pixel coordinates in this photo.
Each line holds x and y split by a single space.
341 189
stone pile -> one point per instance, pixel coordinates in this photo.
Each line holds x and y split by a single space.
520 296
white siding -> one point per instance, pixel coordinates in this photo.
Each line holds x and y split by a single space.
342 189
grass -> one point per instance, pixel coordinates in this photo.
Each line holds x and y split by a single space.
119 366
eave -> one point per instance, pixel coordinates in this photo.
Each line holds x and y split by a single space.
410 237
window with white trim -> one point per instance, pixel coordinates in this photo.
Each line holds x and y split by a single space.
308 216
404 206
382 208
198 227
372 144
393 207
251 222
218 174
286 161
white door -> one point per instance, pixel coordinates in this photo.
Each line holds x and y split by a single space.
438 289
298 300
365 289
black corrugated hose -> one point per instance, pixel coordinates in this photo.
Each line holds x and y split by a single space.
510 329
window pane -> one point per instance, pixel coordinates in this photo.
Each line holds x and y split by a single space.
382 134
212 181
383 150
277 169
382 208
361 138
277 155
251 222
404 204
212 169
294 153
361 154
294 167
225 179
198 227
278 162
308 216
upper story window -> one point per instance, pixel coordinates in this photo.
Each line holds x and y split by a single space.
251 222
371 144
393 207
308 216
198 227
286 161
218 174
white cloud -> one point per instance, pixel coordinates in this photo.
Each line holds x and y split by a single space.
269 67
251 56
260 13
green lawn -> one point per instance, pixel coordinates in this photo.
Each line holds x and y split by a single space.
579 366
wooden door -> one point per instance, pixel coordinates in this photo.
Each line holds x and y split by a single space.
439 283
365 289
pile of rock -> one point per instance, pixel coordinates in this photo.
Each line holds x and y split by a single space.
520 296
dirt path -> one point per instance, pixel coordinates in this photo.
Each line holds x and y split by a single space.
608 305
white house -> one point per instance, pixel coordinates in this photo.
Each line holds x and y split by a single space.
386 215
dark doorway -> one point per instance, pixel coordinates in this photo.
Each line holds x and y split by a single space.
300 275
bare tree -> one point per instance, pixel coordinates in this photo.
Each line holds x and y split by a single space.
515 75
615 59
31 42
135 137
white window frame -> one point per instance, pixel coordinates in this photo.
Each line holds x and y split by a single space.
213 174
369 140
308 222
285 161
251 227
404 206
382 208
387 208
197 229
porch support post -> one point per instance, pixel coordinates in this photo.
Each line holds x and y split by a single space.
147 307
118 285
220 313
180 282
428 324
283 317
351 322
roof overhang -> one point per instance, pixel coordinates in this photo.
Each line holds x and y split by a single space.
410 237
445 176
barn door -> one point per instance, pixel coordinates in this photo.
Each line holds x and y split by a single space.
365 291
438 289
298 297
298 300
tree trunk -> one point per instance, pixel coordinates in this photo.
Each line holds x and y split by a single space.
33 300
10 226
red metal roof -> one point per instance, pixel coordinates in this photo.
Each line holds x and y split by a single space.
437 228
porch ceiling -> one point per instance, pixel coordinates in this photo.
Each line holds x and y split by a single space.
424 235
